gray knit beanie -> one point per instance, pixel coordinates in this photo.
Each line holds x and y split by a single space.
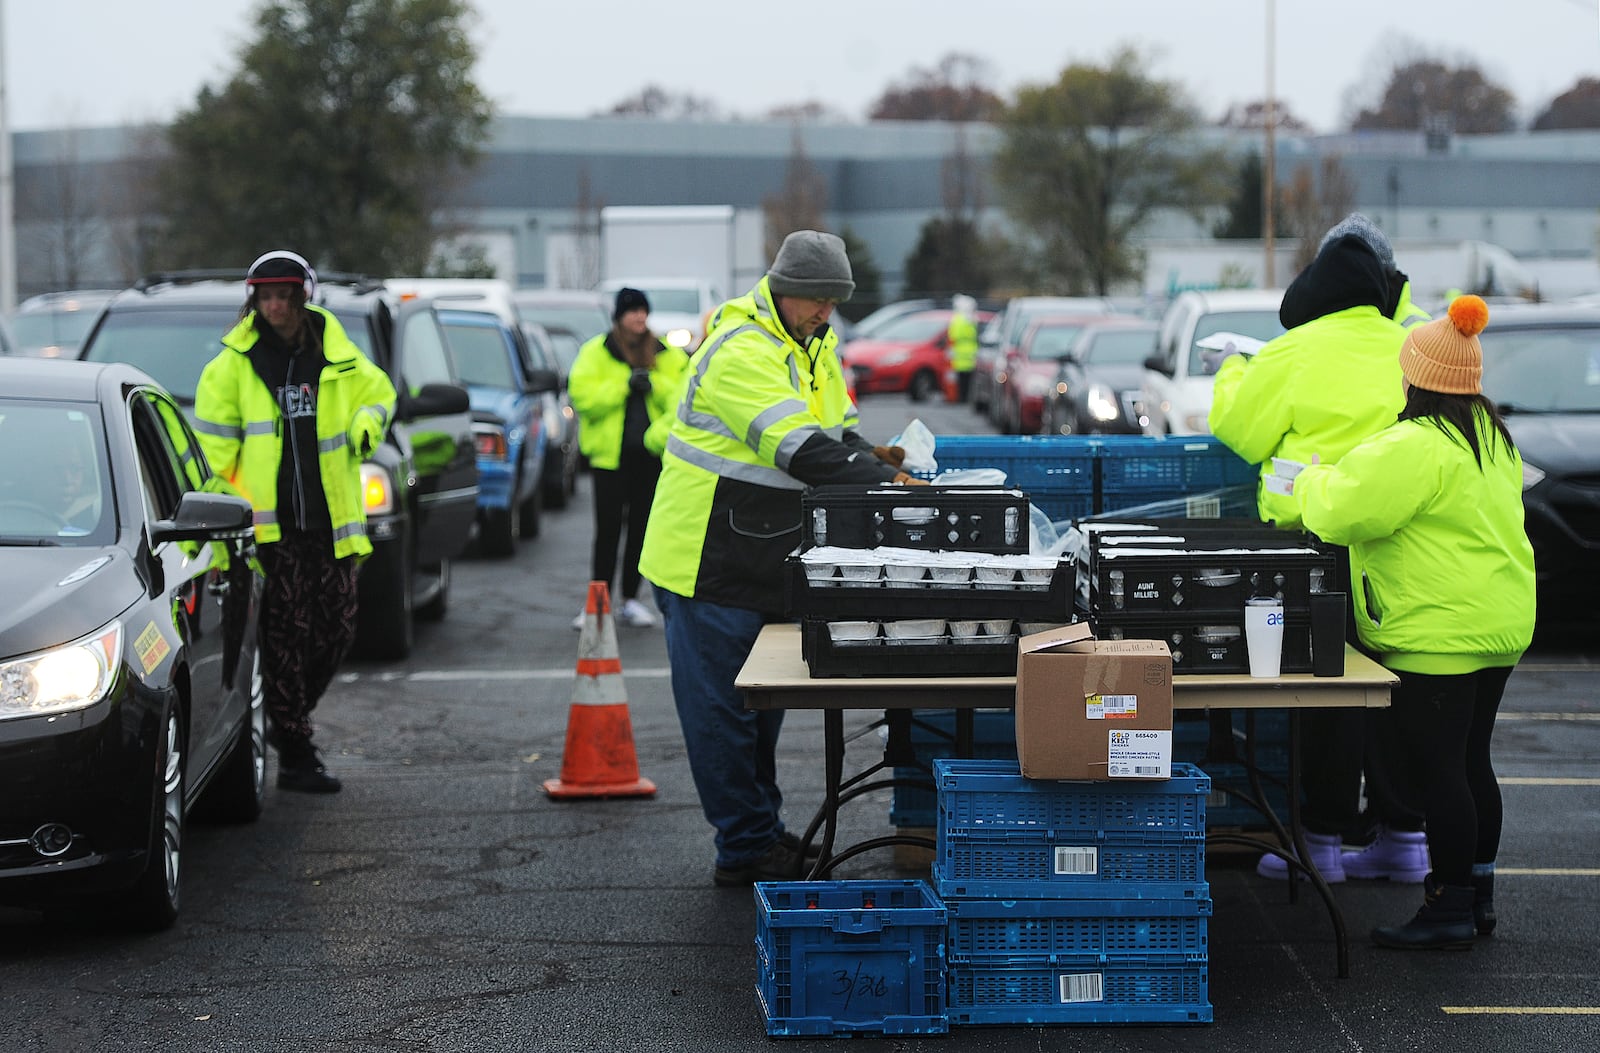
1363 228
813 265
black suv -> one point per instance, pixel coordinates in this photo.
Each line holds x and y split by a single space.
420 486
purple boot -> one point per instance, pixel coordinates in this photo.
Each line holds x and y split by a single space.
1394 855
1326 855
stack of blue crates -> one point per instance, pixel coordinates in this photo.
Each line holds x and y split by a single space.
1073 902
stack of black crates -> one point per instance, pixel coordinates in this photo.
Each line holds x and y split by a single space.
1073 902
981 521
1186 583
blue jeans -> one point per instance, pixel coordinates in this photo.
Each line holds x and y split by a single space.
732 750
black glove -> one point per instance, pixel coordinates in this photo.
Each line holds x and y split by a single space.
639 382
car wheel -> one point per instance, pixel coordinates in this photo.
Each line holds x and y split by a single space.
154 900
239 789
530 515
923 384
383 623
438 605
498 532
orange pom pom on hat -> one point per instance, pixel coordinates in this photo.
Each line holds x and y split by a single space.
1445 355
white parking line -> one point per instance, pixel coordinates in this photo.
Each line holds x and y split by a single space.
1546 716
1548 871
1521 1010
1512 780
441 676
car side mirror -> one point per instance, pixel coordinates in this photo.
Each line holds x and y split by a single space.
204 516
433 400
543 380
1157 364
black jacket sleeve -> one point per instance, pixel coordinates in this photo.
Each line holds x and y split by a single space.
821 460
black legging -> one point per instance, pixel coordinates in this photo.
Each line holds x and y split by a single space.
622 493
1444 725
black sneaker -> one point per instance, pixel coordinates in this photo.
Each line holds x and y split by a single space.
792 843
777 863
302 772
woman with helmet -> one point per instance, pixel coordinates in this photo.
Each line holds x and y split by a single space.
286 413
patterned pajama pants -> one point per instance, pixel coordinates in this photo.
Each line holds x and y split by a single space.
308 621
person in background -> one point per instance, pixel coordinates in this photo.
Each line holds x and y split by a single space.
962 336
764 413
621 382
1326 384
1431 509
286 413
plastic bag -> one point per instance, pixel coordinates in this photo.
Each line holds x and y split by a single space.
970 477
917 440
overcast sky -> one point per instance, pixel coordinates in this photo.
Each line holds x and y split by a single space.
86 63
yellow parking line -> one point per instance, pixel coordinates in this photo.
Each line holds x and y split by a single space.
1535 780
1547 716
1522 1010
1549 871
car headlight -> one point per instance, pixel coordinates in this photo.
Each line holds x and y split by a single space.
1101 402
679 338
377 493
1035 386
1531 476
894 358
63 679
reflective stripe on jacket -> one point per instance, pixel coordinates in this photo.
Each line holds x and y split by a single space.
1320 388
1440 565
598 387
726 511
241 429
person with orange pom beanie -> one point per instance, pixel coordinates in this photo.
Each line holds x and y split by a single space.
1431 509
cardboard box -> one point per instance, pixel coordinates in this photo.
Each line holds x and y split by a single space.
1093 709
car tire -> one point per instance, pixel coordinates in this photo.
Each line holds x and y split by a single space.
530 517
384 628
923 385
498 530
153 901
438 605
239 790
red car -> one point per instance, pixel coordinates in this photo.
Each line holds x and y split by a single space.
909 354
1031 369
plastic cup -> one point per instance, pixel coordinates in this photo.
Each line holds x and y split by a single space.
1263 636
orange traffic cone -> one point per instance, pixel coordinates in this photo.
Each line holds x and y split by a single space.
599 760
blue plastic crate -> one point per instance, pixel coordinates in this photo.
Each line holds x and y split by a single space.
1170 466
1030 932
1005 837
846 957
1126 991
1057 464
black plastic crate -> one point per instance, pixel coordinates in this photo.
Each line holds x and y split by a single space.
1022 602
1209 643
986 656
964 518
1133 579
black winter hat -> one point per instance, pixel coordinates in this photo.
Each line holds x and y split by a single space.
629 300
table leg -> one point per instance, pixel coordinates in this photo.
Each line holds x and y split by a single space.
1341 940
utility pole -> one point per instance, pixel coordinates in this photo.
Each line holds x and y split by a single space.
1269 169
8 211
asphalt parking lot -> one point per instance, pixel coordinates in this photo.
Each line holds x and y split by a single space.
443 902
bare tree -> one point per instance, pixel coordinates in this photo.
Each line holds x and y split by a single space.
956 89
801 202
68 212
579 267
655 101
1313 202
812 111
1577 107
1411 90
1252 116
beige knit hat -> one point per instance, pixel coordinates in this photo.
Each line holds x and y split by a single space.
1445 355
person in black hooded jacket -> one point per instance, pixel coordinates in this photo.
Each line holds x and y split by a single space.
1329 382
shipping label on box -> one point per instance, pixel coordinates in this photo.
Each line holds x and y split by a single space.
1093 709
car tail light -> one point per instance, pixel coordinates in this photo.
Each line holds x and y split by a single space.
377 494
489 442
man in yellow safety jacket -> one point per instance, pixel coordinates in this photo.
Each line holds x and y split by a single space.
962 336
764 412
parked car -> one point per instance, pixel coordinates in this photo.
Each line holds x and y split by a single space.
561 454
491 351
1030 369
871 323
908 354
679 307
420 486
53 325
1097 387
997 341
130 687
1176 396
1541 365
583 313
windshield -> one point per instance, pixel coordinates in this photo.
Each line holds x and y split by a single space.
173 346
54 487
44 332
1551 370
1115 348
913 328
1052 342
481 354
584 321
1261 323
674 301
